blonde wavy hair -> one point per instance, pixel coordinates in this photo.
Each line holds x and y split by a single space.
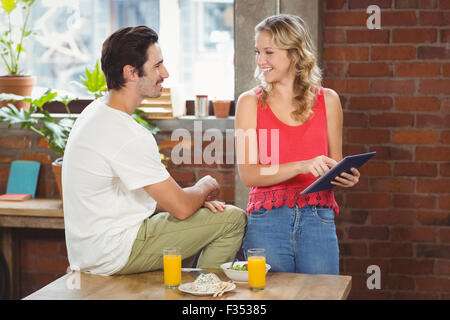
290 33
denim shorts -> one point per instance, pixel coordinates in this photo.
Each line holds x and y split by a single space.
300 240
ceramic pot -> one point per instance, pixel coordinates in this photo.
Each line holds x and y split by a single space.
221 108
20 85
57 171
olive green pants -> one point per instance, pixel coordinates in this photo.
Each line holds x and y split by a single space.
217 235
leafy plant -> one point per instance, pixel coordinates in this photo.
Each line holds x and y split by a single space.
9 47
39 120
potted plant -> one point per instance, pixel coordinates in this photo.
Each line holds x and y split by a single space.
12 42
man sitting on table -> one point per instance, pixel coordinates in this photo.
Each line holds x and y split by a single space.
114 182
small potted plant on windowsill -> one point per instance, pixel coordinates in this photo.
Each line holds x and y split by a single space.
12 42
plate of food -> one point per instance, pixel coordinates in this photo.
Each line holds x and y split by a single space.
206 285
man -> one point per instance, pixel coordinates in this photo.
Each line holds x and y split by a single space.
114 182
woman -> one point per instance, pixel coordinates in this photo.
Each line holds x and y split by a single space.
298 128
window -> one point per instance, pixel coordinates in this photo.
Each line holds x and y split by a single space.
196 37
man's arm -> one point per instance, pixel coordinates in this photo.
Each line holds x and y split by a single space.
182 203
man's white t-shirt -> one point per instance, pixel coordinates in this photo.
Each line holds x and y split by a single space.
108 160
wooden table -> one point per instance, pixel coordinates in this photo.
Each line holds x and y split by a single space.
150 286
34 213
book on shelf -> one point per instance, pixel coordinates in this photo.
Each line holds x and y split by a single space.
15 197
169 105
23 178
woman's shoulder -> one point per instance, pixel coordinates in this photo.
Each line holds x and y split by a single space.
332 101
248 99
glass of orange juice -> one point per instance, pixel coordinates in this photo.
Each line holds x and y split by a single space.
256 268
172 267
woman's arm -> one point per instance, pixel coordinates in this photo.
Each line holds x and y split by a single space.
334 131
251 172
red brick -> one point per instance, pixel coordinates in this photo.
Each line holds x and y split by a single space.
353 249
433 153
444 202
43 158
370 70
415 169
363 4
334 35
394 217
433 251
356 18
353 265
433 121
434 18
376 169
415 137
6 159
354 217
391 153
433 218
433 52
43 143
369 36
182 175
335 69
445 137
446 70
443 267
368 200
335 4
433 185
398 282
413 295
15 142
52 264
346 53
417 103
393 86
444 169
419 70
414 201
348 86
388 250
412 266
226 193
355 120
222 177
419 234
433 284
393 53
444 235
378 233
434 86
444 4
414 35
445 35
368 136
392 185
415 4
398 18
391 120
370 103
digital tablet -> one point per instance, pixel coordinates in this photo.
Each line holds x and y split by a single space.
324 182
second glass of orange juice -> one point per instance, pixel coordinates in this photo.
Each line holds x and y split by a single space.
172 267
256 268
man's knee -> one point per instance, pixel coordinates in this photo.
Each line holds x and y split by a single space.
237 214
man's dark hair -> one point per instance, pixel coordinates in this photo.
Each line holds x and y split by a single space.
126 46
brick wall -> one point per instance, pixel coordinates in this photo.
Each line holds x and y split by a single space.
394 85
